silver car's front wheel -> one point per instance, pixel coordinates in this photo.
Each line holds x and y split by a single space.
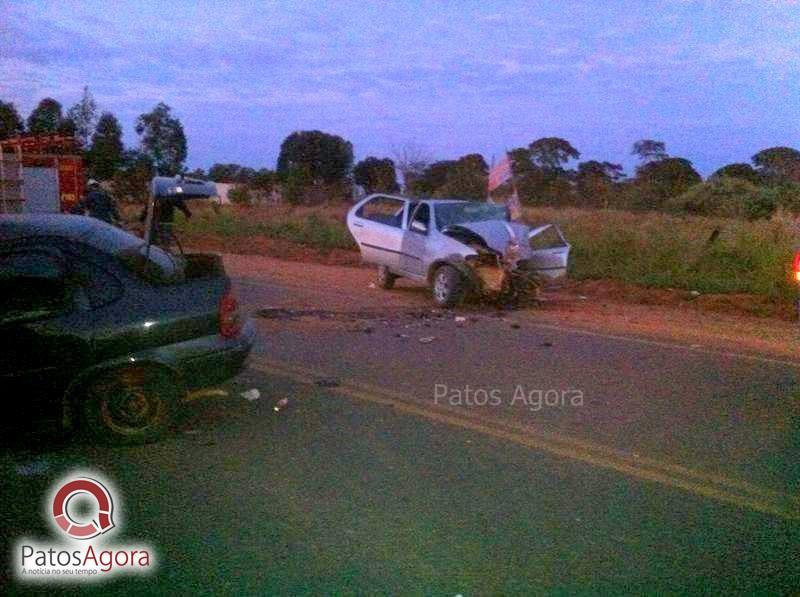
448 286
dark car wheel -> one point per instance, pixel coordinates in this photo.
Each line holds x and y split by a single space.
385 278
132 405
448 286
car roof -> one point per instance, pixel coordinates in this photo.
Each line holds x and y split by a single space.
444 201
436 201
16 226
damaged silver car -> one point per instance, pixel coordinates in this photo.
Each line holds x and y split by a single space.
456 247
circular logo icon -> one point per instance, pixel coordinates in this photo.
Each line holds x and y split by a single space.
83 487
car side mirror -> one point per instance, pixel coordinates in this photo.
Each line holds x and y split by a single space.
418 226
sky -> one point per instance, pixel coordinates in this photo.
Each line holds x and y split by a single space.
716 81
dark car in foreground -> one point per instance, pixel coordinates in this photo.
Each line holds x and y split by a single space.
106 333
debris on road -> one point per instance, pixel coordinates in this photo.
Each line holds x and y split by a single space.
516 326
372 285
547 344
276 313
251 395
401 335
206 393
327 382
33 469
427 339
460 321
280 405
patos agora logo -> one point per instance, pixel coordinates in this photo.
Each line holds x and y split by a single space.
105 508
82 507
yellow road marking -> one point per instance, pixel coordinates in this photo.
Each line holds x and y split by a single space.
720 488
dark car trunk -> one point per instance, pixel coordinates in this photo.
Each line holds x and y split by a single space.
159 313
202 265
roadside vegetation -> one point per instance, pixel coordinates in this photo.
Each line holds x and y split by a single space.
705 254
319 228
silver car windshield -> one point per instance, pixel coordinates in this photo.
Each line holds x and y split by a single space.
448 214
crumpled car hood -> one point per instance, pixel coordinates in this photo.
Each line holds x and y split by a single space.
496 232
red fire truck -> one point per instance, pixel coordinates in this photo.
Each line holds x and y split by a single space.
58 152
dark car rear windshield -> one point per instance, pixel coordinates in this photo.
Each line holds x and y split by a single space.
154 265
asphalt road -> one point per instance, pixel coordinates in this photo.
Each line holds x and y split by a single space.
409 466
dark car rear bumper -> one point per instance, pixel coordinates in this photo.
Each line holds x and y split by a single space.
214 359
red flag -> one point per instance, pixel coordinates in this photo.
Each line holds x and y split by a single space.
500 174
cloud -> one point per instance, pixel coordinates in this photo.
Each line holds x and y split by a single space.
496 17
403 68
509 67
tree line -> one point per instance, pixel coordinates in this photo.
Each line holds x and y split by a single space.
161 150
314 166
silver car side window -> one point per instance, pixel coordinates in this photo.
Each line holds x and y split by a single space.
385 210
421 218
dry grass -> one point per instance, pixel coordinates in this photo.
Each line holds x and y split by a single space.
665 251
648 249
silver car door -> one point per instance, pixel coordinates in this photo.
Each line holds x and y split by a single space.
376 224
550 251
415 240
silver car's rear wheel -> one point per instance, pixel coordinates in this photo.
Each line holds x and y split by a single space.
448 286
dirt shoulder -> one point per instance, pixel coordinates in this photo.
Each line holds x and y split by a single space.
598 290
673 318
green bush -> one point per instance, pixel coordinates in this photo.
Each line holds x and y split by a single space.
788 196
295 183
240 195
726 197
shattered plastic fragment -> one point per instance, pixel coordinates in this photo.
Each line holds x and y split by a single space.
280 405
251 395
427 339
32 469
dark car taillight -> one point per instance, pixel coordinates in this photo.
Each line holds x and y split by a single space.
229 323
796 267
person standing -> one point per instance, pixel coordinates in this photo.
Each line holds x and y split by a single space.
98 204
164 218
